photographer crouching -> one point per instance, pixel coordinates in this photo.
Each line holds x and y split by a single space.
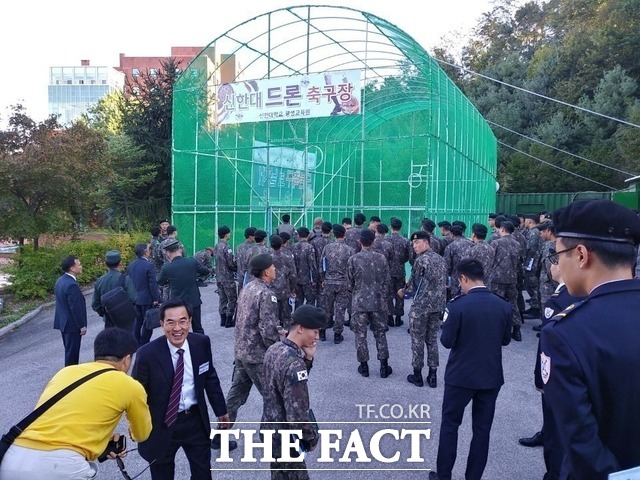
75 418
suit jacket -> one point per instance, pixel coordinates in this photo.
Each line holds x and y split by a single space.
154 370
182 275
475 328
143 275
71 309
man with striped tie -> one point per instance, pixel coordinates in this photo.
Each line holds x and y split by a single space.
177 371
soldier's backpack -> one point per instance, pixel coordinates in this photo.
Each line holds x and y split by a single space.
119 311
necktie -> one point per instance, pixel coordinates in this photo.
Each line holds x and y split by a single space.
176 390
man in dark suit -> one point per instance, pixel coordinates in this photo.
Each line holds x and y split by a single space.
182 276
177 371
143 275
71 311
475 327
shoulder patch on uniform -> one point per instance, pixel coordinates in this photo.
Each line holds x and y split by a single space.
274 299
548 312
545 367
229 251
570 309
302 375
445 315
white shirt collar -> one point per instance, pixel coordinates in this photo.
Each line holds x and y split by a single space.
72 276
174 350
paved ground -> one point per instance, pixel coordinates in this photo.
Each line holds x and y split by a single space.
30 355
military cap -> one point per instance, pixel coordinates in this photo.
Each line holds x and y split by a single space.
303 232
163 220
275 241
382 228
262 261
360 218
172 244
223 230
601 220
479 229
367 235
326 227
284 236
249 231
309 316
419 235
493 215
112 256
456 230
395 223
339 230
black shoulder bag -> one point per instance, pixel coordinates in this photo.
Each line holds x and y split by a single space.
13 433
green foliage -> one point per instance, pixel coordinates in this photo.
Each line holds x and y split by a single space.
34 273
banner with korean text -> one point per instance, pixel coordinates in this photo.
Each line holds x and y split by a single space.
288 98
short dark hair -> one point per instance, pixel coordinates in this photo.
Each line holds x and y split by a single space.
612 254
532 216
68 262
493 215
366 241
508 226
346 220
114 343
175 303
286 217
171 229
249 231
375 218
139 249
471 268
359 219
155 231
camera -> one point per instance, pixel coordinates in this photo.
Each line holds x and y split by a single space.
116 447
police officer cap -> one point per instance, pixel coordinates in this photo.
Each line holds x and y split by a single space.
419 235
303 232
260 235
309 316
172 244
601 220
326 227
223 230
367 235
275 241
479 229
339 229
382 228
396 223
262 261
112 256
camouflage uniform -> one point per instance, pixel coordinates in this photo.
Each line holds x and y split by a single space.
255 331
241 261
436 244
368 280
547 284
383 246
318 244
286 404
532 267
307 268
154 244
333 275
428 284
485 254
352 238
519 236
494 236
204 258
458 249
225 269
504 274
160 259
444 241
401 248
284 284
255 249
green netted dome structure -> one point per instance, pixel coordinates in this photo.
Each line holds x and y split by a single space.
410 145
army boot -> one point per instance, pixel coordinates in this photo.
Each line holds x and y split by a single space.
515 333
363 369
390 321
385 369
231 321
337 338
416 378
223 320
432 378
347 322
399 321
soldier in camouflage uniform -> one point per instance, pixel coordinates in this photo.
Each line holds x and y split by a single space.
258 247
504 274
352 237
383 246
333 276
318 243
481 250
445 231
225 271
286 243
286 401
284 286
494 230
307 268
154 243
400 253
204 258
522 240
256 329
532 265
368 281
454 252
161 258
241 250
435 243
547 284
428 284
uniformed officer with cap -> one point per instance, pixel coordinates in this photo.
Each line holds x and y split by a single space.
286 400
590 360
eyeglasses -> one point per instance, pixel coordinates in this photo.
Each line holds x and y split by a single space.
554 257
173 323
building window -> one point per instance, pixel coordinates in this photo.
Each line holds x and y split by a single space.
81 82
135 72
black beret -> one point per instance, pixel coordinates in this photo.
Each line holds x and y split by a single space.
382 228
367 235
172 244
284 236
326 227
493 215
396 223
275 241
456 230
113 256
303 232
262 261
419 235
260 235
601 220
339 229
163 220
223 230
479 229
309 316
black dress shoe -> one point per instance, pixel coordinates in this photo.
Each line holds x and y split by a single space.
433 476
537 328
215 444
535 441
